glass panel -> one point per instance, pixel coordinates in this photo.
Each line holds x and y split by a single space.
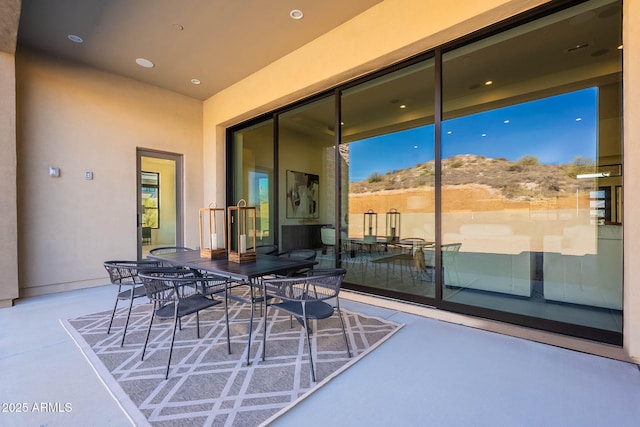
150 202
253 181
531 169
388 181
306 163
158 198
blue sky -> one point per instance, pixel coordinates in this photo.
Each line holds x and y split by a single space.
556 130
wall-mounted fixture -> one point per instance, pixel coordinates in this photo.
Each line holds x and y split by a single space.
54 171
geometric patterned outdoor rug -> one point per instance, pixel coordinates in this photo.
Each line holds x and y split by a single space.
206 385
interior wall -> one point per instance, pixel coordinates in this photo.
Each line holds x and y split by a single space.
299 153
79 119
8 195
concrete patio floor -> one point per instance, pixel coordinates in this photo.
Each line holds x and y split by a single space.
430 373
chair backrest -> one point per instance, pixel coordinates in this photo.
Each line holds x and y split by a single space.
267 249
126 272
305 254
162 284
168 250
318 285
451 248
328 236
170 284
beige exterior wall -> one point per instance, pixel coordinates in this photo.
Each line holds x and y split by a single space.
79 119
631 129
8 198
404 28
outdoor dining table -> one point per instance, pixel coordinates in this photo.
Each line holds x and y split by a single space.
247 273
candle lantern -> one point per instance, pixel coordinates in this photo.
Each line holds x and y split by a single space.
213 229
370 226
242 232
393 225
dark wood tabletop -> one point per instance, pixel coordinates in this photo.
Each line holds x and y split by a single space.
246 271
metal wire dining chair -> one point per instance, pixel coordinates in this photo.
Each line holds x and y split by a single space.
176 293
124 274
304 254
306 298
168 250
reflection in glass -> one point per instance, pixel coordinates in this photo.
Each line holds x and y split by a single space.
253 180
306 195
525 195
388 167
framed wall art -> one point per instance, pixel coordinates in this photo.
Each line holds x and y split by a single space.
303 191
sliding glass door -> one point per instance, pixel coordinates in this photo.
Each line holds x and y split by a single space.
252 159
531 159
388 196
307 179
483 177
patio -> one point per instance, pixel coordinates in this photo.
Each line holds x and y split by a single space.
430 373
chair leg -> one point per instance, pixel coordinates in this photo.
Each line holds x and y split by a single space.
126 323
306 332
153 312
264 332
113 313
250 328
226 317
198 324
173 338
344 333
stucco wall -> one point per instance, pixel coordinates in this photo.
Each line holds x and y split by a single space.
631 129
77 119
8 215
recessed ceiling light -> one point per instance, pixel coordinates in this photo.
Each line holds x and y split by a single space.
576 47
296 14
74 38
484 135
449 133
578 119
620 47
403 106
145 63
195 81
178 27
506 121
488 83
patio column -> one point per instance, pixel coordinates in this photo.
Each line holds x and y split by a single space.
9 19
631 108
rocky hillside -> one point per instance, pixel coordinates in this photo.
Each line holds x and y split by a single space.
522 180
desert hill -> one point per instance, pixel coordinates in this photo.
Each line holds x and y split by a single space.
525 179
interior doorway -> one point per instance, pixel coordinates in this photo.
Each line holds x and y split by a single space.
159 201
